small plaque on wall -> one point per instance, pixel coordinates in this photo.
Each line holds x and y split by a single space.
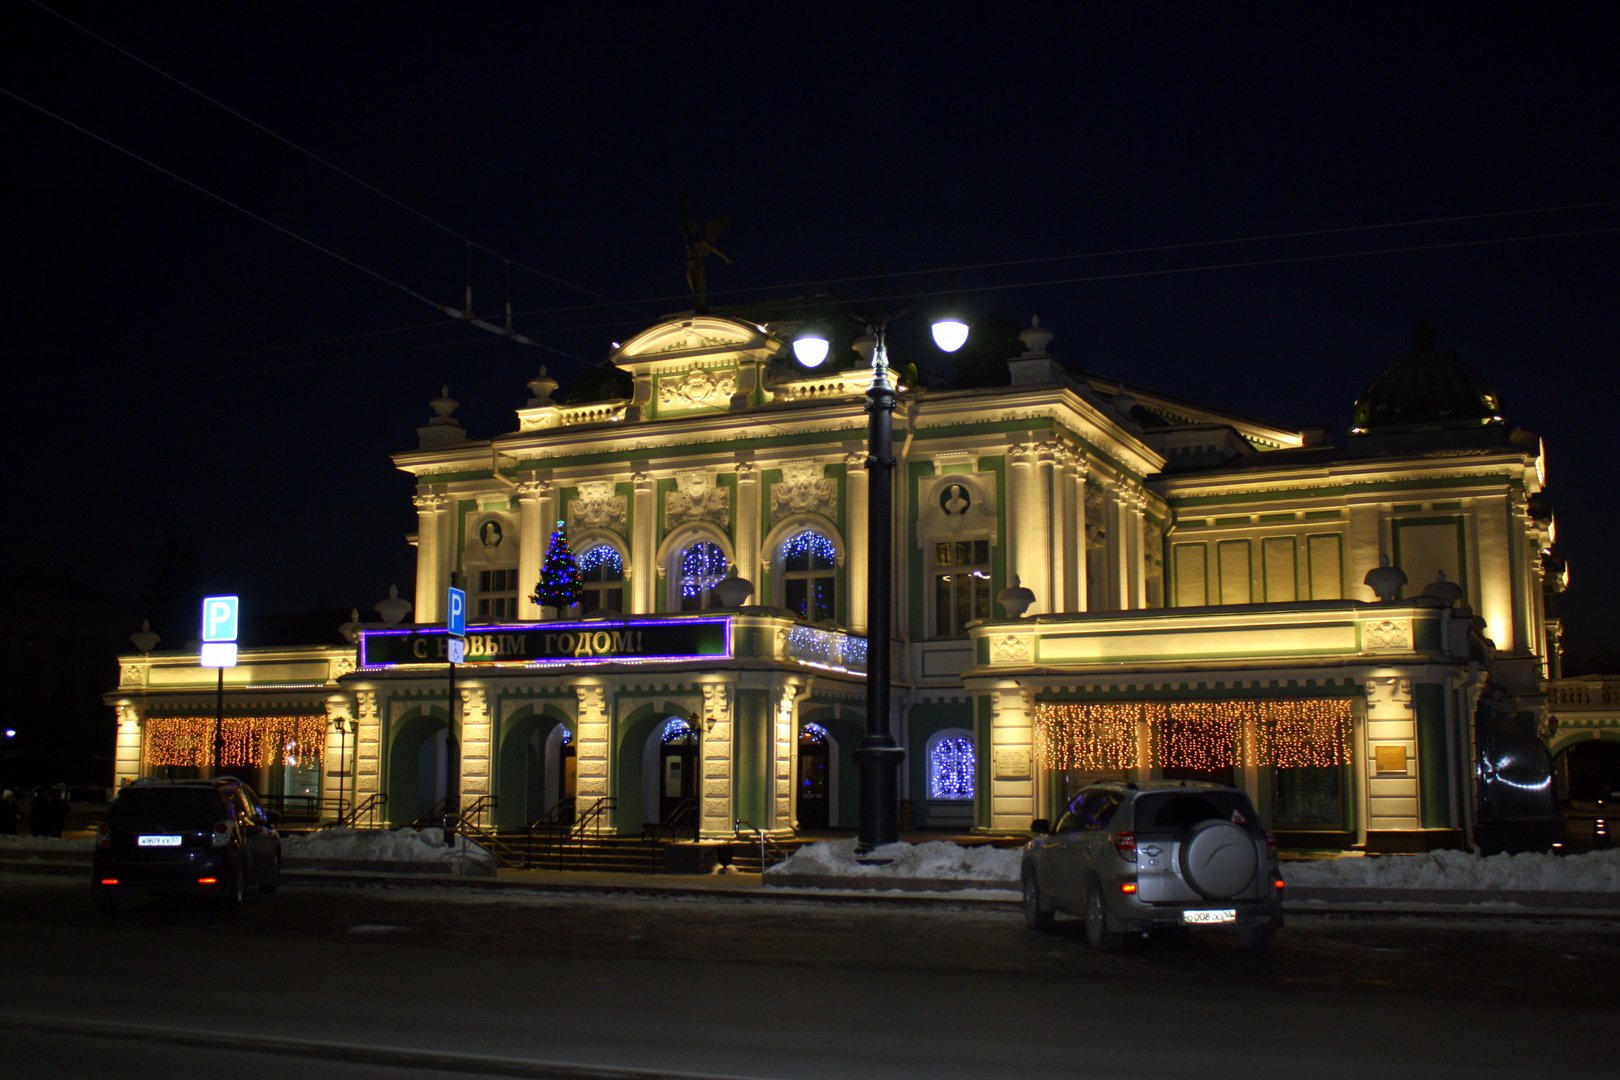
1010 764
1390 759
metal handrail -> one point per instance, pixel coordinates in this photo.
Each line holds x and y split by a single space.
765 841
555 821
373 804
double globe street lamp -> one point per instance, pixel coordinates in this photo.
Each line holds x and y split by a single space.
878 757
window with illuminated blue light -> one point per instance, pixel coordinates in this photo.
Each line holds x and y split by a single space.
952 765
601 569
702 567
809 576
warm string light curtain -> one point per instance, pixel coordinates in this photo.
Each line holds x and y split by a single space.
1100 736
247 741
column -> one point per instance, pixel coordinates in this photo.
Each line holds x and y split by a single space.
1082 534
749 557
592 748
342 745
1024 555
1136 554
717 801
855 515
368 752
533 533
476 741
642 574
1388 759
431 578
1498 562
785 697
1012 760
1056 547
128 744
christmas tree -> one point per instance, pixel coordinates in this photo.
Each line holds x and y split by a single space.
560 585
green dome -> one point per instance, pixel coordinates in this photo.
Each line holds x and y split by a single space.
1426 391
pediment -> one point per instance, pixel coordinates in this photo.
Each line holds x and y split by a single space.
678 342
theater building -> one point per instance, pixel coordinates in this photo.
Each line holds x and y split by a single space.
1091 579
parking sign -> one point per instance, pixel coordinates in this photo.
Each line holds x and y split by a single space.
456 614
219 618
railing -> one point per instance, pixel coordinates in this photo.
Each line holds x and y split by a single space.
587 823
552 825
303 809
370 809
681 823
766 844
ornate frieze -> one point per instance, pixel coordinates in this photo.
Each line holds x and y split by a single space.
697 389
1388 635
804 490
598 507
697 498
1012 649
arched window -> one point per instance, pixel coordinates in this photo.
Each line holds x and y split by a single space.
702 566
952 765
602 570
809 576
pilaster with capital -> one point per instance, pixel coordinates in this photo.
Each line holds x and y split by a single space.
593 748
128 742
1077 473
433 555
533 535
717 798
1013 795
1024 539
785 696
477 777
341 747
857 510
749 557
642 574
368 756
1390 753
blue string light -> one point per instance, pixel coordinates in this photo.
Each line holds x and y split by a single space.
703 565
602 555
810 545
813 733
951 769
676 730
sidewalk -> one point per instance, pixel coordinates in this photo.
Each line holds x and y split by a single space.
994 896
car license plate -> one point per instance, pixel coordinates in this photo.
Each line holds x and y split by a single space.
1215 915
158 841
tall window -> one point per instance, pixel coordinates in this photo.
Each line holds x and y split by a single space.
603 572
702 567
951 765
809 575
497 595
961 585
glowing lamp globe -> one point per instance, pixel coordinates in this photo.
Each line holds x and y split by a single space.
810 349
950 334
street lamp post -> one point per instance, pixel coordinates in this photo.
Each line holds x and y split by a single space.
878 756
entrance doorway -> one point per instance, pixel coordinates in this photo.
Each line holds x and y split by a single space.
814 787
677 767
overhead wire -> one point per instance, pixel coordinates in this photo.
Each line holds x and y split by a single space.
332 166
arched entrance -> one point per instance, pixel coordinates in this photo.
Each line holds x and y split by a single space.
416 767
669 769
813 800
1588 771
536 771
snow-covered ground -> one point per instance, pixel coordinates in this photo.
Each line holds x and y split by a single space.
1597 871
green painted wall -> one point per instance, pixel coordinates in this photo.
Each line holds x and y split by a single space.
1429 702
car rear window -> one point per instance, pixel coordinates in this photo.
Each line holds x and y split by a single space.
167 808
1184 809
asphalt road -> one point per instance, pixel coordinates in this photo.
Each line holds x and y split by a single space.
336 983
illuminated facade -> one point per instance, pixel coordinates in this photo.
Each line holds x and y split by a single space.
1092 579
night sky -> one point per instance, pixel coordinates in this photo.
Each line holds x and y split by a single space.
1244 205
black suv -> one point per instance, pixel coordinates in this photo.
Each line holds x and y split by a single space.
1133 857
207 837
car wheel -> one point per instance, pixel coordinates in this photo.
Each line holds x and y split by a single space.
1036 917
273 882
106 899
235 890
1098 936
1256 938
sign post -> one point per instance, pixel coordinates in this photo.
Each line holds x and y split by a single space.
455 624
220 615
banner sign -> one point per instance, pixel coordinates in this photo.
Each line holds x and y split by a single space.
661 641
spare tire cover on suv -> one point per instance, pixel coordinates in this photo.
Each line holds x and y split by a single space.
1218 858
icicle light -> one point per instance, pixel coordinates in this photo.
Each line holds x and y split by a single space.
247 741
1205 735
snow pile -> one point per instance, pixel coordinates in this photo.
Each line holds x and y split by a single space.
1595 871
358 847
936 860
45 843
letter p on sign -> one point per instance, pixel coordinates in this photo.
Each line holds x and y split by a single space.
219 618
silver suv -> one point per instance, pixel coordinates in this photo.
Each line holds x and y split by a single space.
1135 857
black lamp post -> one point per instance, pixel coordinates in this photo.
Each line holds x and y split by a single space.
878 757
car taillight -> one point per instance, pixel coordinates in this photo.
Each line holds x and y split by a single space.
221 835
1127 887
208 881
1278 884
1125 844
108 881
104 835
